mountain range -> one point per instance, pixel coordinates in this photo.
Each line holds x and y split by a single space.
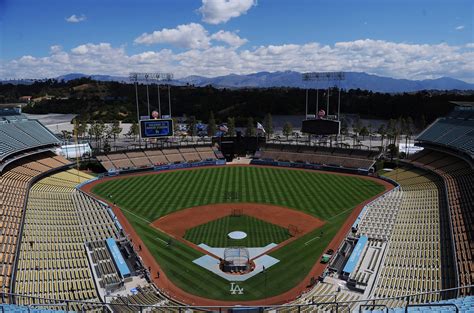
353 80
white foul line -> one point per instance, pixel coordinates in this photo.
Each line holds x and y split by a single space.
307 242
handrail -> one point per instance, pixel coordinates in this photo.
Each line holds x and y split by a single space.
341 303
431 304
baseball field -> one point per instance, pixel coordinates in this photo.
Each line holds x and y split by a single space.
145 200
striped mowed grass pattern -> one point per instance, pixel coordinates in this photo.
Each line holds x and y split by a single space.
329 197
215 233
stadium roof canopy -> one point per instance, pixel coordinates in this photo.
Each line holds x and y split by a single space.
454 133
463 103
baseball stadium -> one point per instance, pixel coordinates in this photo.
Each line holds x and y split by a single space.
237 223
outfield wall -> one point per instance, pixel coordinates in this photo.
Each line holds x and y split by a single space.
159 168
309 166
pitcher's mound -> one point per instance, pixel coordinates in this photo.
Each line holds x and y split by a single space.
237 235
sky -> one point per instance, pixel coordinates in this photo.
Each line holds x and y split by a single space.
412 39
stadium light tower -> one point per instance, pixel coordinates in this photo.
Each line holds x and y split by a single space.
163 77
324 76
133 77
146 77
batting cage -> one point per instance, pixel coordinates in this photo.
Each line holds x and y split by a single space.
236 259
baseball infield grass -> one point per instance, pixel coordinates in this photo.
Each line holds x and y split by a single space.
259 233
143 199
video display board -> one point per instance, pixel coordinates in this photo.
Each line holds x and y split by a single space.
320 127
156 128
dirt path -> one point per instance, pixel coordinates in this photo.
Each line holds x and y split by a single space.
167 286
178 222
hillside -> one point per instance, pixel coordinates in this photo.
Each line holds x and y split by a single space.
113 100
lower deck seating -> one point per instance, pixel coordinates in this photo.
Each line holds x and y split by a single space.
459 179
146 296
103 264
149 158
381 215
317 299
14 182
329 158
413 261
52 262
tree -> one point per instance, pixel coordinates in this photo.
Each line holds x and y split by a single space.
422 122
393 150
211 125
364 132
107 147
115 130
101 132
408 132
134 130
287 129
175 124
382 133
66 135
356 125
344 126
370 128
268 125
192 126
80 127
250 130
356 128
392 131
231 126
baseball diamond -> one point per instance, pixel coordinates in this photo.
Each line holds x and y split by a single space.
149 202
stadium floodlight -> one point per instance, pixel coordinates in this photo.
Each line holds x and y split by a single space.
137 77
158 77
164 77
324 76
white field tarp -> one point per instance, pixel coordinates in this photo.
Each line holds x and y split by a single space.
74 151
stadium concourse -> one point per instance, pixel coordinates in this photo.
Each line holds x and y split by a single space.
62 250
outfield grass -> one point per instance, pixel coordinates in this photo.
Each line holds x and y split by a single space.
329 197
259 233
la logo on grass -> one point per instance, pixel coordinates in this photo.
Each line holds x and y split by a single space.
235 289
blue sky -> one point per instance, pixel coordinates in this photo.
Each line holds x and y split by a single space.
407 39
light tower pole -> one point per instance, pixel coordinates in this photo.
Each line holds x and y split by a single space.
146 77
147 93
137 77
157 77
329 77
134 78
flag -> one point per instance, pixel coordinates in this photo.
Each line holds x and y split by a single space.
260 127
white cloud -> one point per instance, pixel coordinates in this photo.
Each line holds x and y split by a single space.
76 19
191 35
55 49
400 60
232 39
220 11
460 27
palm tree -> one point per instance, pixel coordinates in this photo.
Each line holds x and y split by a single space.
382 131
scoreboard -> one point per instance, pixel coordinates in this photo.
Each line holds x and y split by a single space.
156 128
320 127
